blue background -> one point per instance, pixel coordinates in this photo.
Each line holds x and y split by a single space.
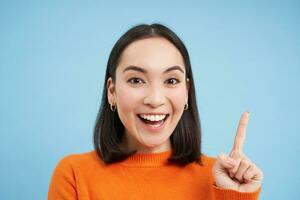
53 54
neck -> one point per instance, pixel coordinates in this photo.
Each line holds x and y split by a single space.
131 144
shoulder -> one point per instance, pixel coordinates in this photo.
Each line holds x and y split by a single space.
78 160
68 171
208 161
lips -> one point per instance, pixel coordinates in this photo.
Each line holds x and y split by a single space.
153 122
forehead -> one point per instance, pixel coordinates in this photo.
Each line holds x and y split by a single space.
155 53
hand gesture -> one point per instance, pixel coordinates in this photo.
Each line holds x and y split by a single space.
236 171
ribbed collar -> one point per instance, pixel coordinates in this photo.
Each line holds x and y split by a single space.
147 159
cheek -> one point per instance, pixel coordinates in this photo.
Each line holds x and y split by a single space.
127 99
178 98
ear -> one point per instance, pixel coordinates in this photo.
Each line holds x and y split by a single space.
188 85
110 86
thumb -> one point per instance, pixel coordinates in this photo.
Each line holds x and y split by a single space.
221 171
225 162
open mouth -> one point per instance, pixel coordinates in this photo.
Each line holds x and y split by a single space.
154 121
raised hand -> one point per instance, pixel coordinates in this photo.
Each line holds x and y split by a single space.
236 171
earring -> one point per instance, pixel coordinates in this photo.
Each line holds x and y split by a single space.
186 106
113 107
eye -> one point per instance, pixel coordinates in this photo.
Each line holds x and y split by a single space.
135 80
173 81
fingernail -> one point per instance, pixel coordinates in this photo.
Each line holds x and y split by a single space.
231 164
230 161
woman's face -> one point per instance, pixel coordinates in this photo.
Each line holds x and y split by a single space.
150 92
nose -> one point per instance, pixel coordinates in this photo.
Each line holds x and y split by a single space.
155 97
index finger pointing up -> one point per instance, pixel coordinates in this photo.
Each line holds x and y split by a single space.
241 133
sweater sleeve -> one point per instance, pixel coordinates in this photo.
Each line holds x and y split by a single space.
63 184
226 194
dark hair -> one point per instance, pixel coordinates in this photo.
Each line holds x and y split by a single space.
108 131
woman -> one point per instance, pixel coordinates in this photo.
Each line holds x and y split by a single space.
147 135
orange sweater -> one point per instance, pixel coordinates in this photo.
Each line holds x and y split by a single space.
141 176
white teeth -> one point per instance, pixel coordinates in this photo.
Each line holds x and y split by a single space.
153 117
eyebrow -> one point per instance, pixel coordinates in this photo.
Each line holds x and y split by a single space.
140 69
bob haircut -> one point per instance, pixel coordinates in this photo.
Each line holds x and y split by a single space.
108 130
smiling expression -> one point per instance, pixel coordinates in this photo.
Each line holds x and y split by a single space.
150 92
